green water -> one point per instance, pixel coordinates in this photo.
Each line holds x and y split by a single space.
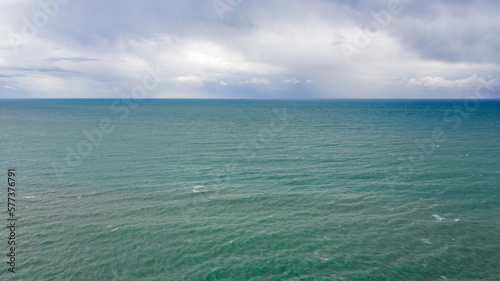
252 190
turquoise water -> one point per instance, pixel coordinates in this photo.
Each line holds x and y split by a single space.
252 190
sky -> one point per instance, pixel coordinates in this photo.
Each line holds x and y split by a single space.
265 49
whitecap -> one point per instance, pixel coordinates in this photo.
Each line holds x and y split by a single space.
438 217
115 229
197 188
426 241
28 197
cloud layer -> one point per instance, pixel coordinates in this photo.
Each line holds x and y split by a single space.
250 49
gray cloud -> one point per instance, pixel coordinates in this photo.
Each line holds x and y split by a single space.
74 59
257 49
451 31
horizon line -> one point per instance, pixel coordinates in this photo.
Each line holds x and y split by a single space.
261 99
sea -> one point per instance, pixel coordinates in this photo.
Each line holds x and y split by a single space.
250 189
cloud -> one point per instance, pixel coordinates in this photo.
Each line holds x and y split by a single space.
259 81
75 59
451 31
430 82
188 79
102 49
466 83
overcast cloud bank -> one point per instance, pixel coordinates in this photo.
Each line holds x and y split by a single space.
250 49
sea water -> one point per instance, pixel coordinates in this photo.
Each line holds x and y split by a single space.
252 190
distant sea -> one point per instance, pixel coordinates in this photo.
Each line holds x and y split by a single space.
252 189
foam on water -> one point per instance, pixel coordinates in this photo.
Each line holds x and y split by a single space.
198 188
438 217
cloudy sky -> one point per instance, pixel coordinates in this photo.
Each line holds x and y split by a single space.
250 48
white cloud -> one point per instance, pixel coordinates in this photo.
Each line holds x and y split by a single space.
113 89
292 80
187 79
430 82
211 57
259 81
440 82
